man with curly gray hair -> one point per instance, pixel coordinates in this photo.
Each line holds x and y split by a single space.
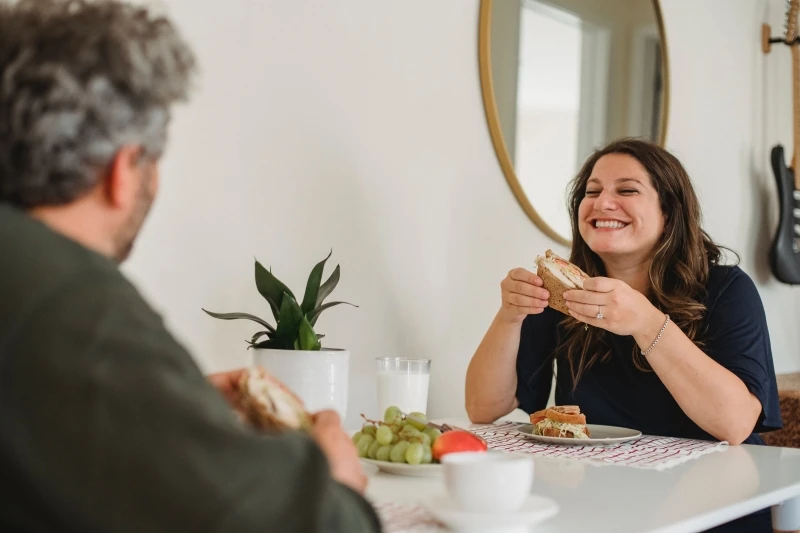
106 422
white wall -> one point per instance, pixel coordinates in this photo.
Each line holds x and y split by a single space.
359 126
729 105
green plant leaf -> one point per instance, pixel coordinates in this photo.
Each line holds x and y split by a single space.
289 321
258 336
327 288
306 336
275 344
271 289
314 315
246 316
312 286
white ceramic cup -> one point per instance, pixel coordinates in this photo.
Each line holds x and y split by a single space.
488 482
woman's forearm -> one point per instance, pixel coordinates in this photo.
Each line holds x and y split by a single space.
492 373
710 394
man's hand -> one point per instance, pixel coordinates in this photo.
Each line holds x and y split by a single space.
327 431
338 447
227 383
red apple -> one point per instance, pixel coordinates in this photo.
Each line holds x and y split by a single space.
456 441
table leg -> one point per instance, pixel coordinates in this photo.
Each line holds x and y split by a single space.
786 516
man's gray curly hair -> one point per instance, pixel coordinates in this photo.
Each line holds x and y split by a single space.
78 80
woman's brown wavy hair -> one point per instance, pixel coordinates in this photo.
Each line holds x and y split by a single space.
681 260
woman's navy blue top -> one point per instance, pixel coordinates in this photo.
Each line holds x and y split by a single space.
616 393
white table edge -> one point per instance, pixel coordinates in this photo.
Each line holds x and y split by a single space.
711 519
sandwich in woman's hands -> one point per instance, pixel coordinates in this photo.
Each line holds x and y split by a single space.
558 276
269 404
560 421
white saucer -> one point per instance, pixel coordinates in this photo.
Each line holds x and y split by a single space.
535 509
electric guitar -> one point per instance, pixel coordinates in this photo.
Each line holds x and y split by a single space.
784 255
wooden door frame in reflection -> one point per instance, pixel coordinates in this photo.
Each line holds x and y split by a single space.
493 119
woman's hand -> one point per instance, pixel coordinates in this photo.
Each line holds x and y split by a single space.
625 310
522 294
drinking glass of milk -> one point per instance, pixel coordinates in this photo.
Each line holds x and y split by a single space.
403 382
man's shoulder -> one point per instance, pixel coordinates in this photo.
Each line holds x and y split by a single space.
37 259
42 268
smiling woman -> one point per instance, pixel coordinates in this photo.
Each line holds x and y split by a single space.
662 337
656 245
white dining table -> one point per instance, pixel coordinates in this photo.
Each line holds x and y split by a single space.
696 495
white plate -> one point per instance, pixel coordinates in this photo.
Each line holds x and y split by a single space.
535 509
600 435
403 469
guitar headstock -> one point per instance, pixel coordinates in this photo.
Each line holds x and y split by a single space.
792 10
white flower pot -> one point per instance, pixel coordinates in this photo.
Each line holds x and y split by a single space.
319 378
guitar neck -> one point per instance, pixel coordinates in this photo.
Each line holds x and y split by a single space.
791 36
796 112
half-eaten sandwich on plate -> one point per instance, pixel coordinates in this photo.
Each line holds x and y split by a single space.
560 421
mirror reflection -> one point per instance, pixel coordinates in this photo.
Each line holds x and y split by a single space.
566 77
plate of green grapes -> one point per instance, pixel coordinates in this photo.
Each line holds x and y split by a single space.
409 445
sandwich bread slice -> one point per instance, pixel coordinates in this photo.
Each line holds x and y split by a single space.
558 276
268 404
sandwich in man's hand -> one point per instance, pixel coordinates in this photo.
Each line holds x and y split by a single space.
268 404
560 421
558 276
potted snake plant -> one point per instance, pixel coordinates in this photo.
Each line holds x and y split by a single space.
291 349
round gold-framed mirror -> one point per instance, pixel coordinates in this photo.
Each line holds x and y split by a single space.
561 78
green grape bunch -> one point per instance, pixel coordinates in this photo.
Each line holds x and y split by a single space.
397 438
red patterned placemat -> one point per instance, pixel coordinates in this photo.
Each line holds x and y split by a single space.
404 517
646 452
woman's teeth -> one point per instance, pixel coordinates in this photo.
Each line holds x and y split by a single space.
609 224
